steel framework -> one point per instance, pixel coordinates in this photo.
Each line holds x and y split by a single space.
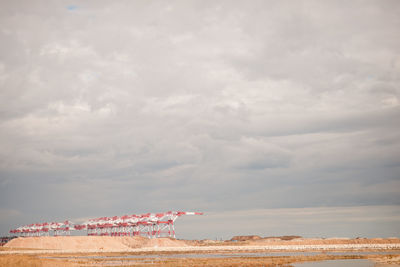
44 229
149 225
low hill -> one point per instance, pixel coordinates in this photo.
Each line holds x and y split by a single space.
91 242
245 237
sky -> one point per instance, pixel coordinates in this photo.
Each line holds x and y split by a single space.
271 117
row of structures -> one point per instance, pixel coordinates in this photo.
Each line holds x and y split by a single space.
149 225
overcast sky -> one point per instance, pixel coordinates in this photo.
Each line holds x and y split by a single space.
272 117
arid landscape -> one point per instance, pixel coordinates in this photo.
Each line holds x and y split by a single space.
200 133
239 251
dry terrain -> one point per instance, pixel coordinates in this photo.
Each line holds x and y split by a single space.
140 251
136 244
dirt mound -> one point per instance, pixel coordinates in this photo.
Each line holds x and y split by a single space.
91 242
285 237
245 237
164 242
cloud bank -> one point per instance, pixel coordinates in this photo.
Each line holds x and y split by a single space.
108 108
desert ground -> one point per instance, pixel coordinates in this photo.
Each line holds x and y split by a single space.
239 251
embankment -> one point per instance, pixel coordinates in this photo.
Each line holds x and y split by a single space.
106 243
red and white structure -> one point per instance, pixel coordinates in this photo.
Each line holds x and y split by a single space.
149 225
44 229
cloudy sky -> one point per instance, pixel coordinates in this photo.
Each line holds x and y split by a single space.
272 117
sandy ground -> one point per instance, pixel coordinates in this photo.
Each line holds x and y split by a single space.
64 251
76 244
93 243
123 259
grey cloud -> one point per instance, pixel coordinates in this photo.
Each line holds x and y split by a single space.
124 107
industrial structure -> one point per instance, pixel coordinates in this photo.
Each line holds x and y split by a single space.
149 225
44 229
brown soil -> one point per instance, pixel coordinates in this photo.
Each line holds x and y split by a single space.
75 260
91 243
245 237
386 260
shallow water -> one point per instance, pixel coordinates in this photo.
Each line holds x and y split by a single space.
337 263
